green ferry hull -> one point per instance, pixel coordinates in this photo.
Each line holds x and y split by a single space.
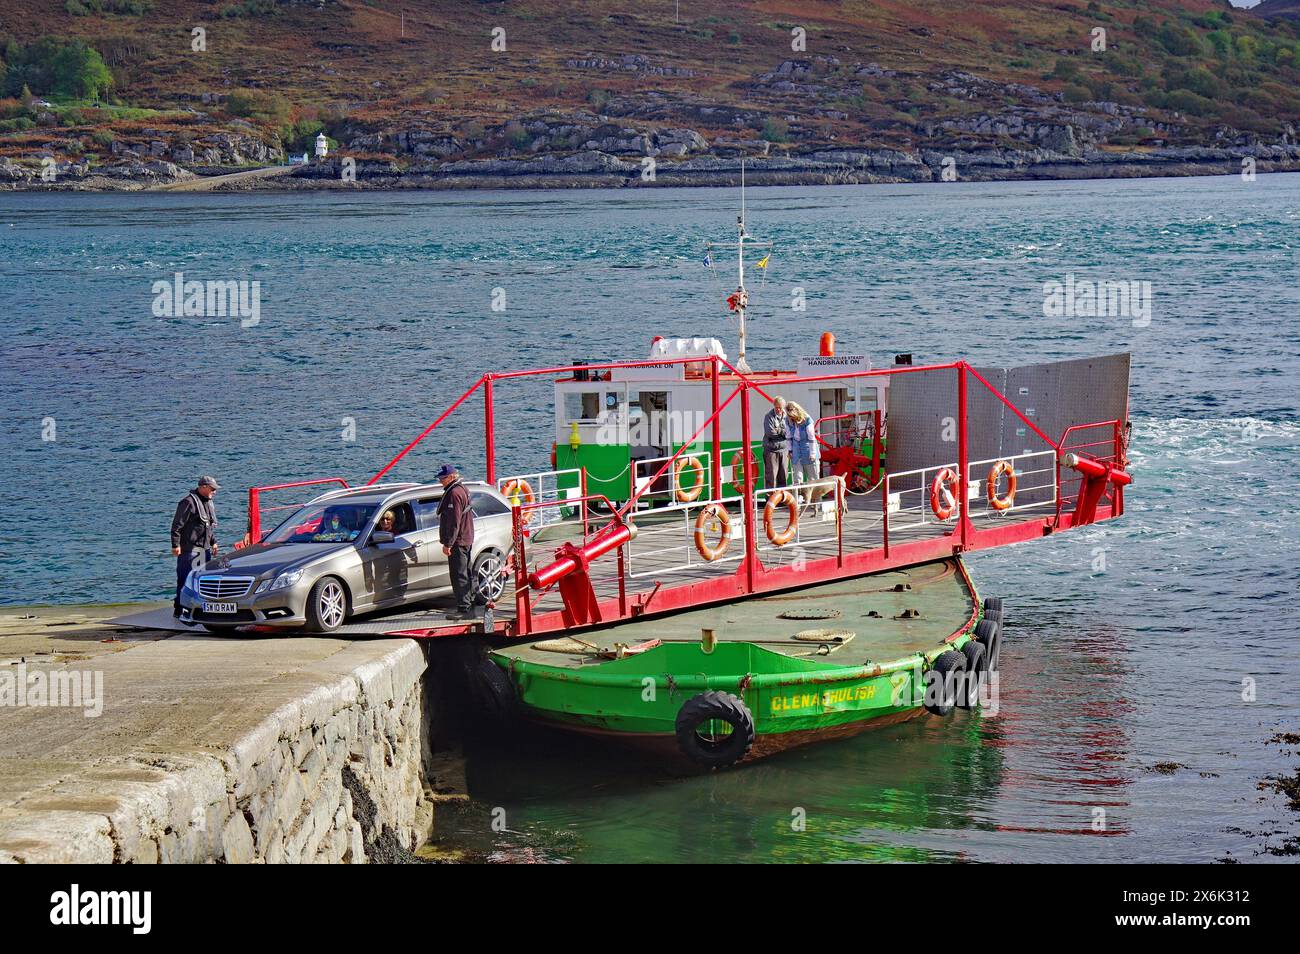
891 626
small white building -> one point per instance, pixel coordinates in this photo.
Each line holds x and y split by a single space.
322 146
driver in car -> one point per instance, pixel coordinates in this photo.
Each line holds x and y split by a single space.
333 528
387 522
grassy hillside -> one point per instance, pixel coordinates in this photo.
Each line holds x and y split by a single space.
881 73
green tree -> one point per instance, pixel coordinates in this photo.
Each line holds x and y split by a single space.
78 71
776 129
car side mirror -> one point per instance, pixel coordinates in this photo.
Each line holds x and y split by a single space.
381 536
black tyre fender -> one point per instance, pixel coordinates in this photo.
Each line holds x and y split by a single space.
989 632
992 603
315 624
941 682
494 690
977 667
480 596
713 706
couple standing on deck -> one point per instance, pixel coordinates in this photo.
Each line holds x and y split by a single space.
791 454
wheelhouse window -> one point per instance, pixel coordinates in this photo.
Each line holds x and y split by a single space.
589 405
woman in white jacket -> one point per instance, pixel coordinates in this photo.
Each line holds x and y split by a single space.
805 451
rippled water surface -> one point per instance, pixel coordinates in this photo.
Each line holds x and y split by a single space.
1127 644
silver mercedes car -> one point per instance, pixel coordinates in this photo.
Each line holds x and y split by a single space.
330 561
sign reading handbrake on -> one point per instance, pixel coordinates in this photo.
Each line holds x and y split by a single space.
833 364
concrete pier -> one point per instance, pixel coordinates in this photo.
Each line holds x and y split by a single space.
197 748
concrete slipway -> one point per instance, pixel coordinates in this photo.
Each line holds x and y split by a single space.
206 748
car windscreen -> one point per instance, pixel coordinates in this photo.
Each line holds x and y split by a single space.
325 523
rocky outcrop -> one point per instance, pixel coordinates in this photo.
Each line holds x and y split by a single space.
628 63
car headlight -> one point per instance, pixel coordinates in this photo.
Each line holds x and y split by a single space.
192 581
261 587
286 579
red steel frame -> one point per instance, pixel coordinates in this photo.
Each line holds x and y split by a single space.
751 576
255 502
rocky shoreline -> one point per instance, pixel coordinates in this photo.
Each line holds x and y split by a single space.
596 169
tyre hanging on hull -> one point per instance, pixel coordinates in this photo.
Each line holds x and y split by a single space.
942 681
715 729
977 667
989 632
493 690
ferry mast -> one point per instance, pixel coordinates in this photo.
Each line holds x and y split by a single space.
738 301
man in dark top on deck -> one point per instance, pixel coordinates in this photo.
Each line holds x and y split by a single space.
194 537
456 531
776 446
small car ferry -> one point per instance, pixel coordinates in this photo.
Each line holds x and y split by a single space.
657 586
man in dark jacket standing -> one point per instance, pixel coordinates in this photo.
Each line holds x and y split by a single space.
194 537
456 531
776 446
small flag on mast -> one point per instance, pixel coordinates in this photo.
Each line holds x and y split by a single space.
762 262
708 258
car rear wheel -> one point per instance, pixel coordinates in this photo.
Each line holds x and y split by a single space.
488 576
327 605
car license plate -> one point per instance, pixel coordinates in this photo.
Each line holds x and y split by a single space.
219 607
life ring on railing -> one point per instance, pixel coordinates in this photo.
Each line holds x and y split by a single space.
995 474
519 491
944 491
782 498
721 519
697 488
737 473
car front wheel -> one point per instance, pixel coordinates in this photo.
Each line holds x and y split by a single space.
327 605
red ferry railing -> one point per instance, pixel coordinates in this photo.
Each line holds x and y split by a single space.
1098 461
255 508
1106 451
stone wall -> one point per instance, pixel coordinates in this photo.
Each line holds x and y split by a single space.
333 774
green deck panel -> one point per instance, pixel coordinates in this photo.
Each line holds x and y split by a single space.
609 473
786 687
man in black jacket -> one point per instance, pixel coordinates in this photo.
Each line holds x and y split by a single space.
456 531
194 537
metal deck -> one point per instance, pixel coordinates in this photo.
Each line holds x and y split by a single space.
870 615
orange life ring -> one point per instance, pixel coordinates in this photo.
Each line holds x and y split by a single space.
782 498
944 492
697 488
995 473
738 473
519 491
719 513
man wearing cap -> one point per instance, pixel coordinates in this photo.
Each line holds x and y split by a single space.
194 537
456 531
